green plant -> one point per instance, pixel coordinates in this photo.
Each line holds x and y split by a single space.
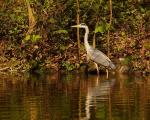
68 66
32 38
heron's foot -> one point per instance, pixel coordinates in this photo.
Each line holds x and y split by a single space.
97 68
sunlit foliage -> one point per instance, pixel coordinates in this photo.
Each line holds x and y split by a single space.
37 33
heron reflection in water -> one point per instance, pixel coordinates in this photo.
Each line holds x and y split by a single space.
94 54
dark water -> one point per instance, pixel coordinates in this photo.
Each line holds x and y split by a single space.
74 97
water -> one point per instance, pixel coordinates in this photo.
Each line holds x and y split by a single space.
74 97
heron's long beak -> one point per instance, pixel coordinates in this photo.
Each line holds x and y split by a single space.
75 26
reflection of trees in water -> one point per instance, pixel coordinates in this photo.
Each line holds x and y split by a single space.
76 97
131 97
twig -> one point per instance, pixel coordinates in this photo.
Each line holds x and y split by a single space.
5 68
78 35
110 22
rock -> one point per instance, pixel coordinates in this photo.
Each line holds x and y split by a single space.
123 69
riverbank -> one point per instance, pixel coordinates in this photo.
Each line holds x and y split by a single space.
68 62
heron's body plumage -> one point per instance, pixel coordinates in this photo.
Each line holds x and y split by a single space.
100 58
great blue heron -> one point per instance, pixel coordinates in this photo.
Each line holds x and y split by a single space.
94 54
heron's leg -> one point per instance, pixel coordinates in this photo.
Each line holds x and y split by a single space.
97 68
107 73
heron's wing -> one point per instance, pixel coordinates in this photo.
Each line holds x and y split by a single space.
99 57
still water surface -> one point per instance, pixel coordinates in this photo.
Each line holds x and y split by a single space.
74 96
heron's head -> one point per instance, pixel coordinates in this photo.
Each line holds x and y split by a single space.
82 25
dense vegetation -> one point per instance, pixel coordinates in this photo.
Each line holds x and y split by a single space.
36 34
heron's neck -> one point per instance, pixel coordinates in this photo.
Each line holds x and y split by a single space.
86 38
